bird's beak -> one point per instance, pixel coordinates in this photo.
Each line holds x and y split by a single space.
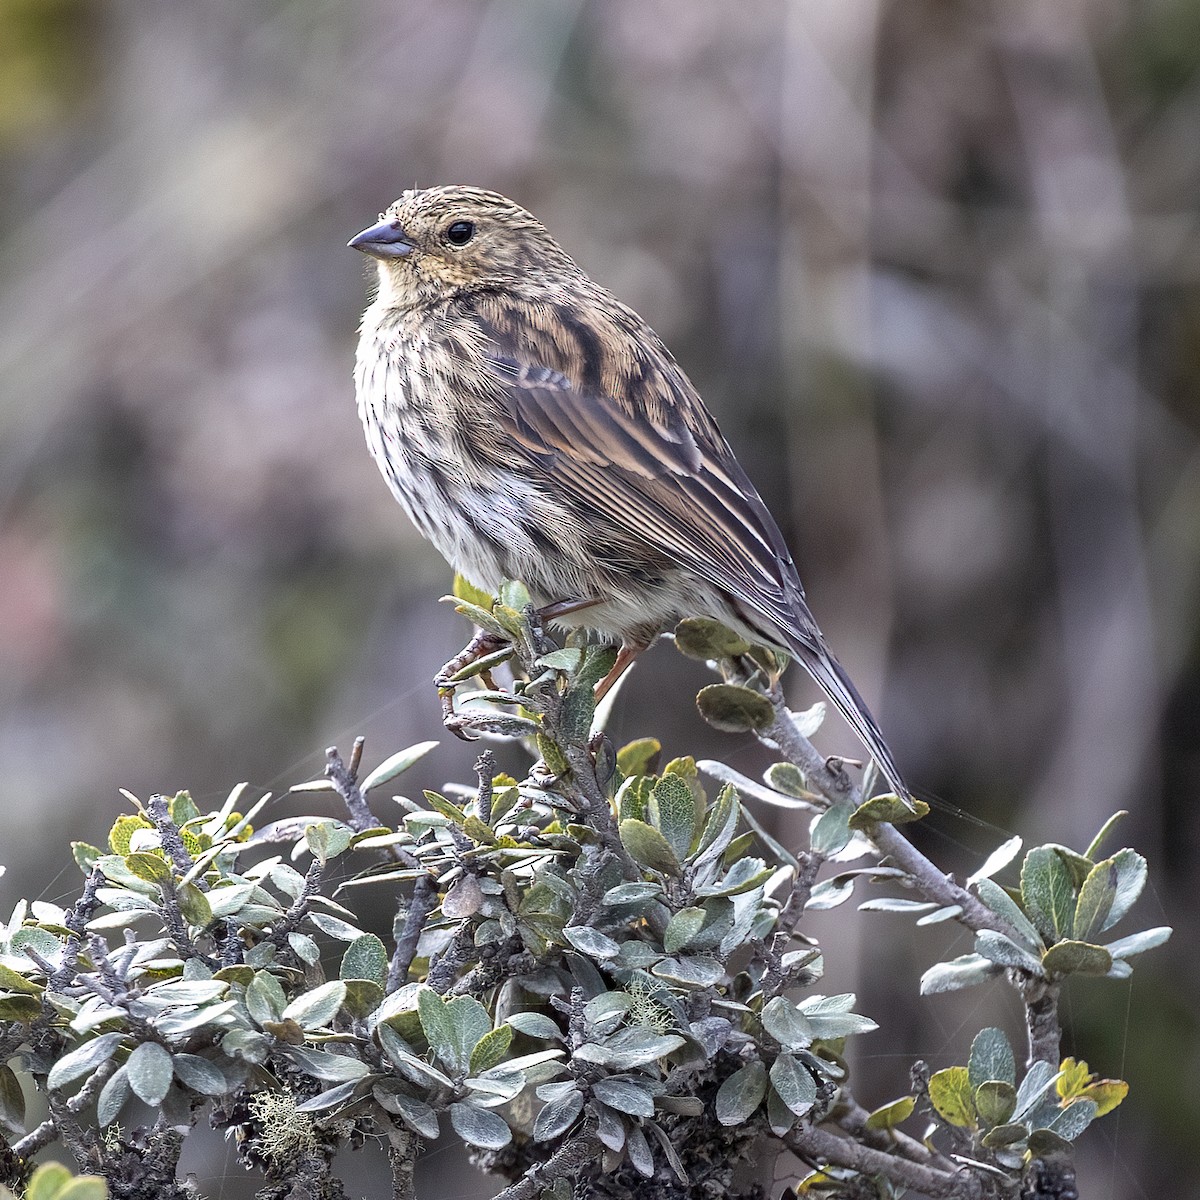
385 240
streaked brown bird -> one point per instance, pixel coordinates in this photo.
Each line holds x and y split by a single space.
535 428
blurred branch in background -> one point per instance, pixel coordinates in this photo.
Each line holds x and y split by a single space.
935 266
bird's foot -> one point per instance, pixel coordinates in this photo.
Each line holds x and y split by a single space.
477 658
836 765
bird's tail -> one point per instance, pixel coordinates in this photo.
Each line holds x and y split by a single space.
834 681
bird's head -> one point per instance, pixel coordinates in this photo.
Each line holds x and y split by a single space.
444 239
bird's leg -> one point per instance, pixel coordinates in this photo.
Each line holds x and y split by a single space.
625 657
563 608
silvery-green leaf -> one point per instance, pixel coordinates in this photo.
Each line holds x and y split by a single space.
365 958
996 861
1040 1077
831 830
330 1098
948 913
741 1094
315 1009
408 1064
896 904
340 930
558 1116
831 893
638 1047
672 810
682 927
1005 907
631 893
692 970
265 998
397 764
321 1064
591 941
1131 878
185 992
1005 952
83 1060
469 1023
416 1114
113 1096
479 1126
648 846
534 1024
149 1072
748 787
638 1150
1072 1120
610 1129
305 949
624 1096
200 1075
786 1024
991 1058
1139 943
965 971
794 1084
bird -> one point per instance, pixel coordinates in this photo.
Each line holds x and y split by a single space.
535 428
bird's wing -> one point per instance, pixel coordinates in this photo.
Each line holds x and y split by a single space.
655 465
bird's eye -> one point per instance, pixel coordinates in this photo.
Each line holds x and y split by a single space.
460 233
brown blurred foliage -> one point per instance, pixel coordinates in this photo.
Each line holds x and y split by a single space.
934 264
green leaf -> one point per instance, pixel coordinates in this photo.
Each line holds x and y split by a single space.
193 903
831 830
1131 878
153 868
363 997
464 589
365 958
951 1094
1004 906
734 709
1077 958
682 927
887 809
672 810
479 1126
794 1084
648 847
995 1101
327 839
440 804
719 827
741 1094
1095 901
150 1072
706 640
1105 830
991 1058
1048 892
12 981
786 1024
12 1100
47 1181
639 757
787 778
624 1096
316 1008
397 764
690 970
1005 1135
888 1116
490 1049
830 1016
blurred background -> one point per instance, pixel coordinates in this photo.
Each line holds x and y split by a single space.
935 265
